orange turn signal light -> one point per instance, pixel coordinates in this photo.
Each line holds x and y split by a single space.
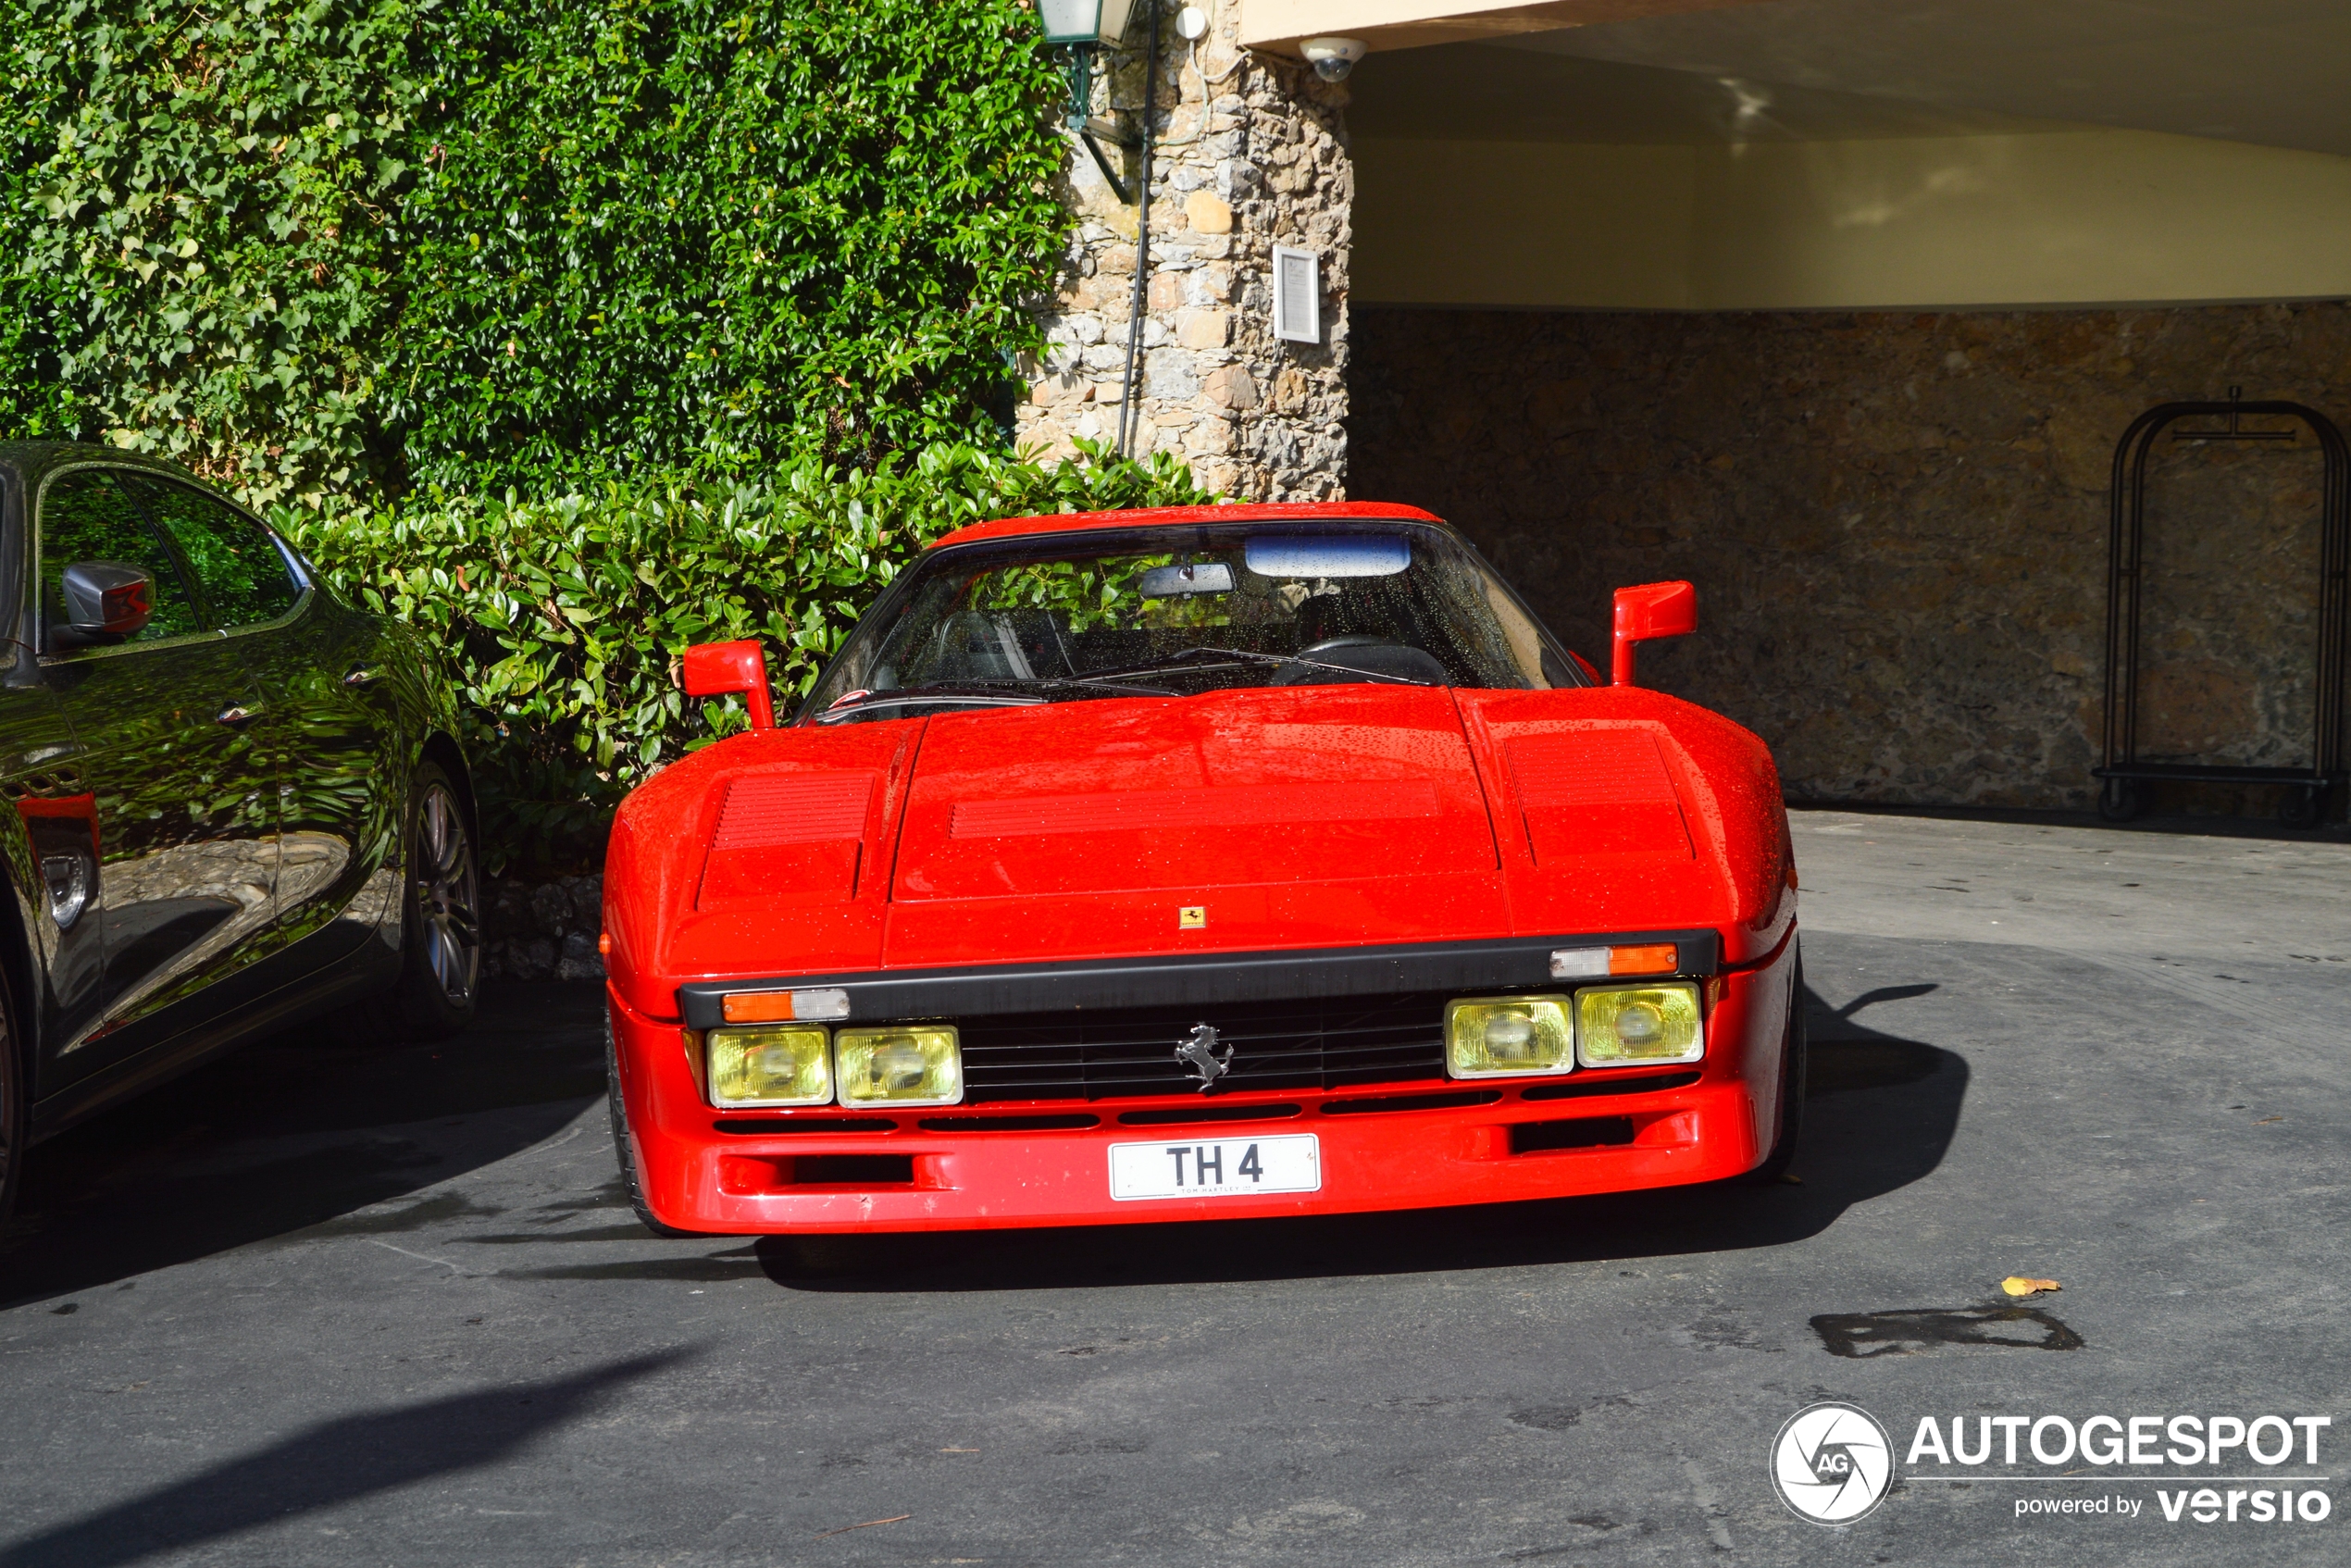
1599 963
1654 958
784 1007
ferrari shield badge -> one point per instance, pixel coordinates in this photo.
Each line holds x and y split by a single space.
1198 1051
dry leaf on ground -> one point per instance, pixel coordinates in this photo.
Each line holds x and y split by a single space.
2018 1285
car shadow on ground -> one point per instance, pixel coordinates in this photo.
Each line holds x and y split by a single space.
294 1130
328 1464
1880 1114
294 1134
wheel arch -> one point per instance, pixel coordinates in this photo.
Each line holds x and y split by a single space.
441 749
18 963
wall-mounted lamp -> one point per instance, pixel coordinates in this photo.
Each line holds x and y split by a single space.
1081 27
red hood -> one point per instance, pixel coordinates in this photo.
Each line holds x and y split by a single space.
1255 819
1280 817
1243 788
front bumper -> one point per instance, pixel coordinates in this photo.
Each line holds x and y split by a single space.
1394 1145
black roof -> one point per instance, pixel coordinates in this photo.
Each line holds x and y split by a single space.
28 460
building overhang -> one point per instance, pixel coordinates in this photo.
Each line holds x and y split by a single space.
1278 25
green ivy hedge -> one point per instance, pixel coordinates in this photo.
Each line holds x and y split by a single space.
561 621
198 255
736 282
325 249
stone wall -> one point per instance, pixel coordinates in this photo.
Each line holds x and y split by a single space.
1898 524
1250 153
543 931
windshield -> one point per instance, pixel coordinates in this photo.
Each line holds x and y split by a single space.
1180 611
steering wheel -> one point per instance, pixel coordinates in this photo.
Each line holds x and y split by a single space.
1369 657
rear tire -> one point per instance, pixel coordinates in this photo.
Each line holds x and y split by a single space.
441 916
618 1110
1795 1055
16 1109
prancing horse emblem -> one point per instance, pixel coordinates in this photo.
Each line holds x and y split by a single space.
1198 1051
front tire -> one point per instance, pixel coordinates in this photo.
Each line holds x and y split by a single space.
441 919
1795 1058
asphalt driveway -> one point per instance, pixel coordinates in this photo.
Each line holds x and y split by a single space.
324 1305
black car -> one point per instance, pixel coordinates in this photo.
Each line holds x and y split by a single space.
239 801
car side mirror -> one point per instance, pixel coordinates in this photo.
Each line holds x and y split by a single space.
721 669
1646 614
105 601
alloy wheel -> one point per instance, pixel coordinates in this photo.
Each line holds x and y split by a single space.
448 894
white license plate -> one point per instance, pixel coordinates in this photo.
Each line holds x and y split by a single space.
1216 1167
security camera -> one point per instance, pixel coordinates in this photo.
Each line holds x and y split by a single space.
1332 58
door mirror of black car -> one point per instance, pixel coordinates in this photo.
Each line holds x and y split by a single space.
105 601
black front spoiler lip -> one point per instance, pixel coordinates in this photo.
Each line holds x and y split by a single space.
1199 979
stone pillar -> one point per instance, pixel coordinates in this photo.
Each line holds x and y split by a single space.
1250 151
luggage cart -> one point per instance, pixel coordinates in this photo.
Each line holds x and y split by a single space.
2122 776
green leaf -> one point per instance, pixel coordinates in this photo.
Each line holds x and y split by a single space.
572 331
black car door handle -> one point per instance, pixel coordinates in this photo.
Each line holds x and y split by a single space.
236 713
360 676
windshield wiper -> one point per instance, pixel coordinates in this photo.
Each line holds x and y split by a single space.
965 693
972 693
1206 658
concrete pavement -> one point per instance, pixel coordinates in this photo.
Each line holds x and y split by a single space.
322 1305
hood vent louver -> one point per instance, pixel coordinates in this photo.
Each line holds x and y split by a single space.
795 835
770 809
1597 792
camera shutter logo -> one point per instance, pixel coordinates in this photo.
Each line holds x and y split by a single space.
1832 1463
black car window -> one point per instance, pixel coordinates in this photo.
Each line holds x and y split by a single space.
85 516
242 573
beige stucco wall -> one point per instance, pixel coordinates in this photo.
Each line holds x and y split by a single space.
2068 217
1505 223
1404 24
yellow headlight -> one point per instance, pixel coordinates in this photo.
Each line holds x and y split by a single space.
1508 1037
904 1065
784 1066
1638 1023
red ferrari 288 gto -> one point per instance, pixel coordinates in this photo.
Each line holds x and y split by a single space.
1195 862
